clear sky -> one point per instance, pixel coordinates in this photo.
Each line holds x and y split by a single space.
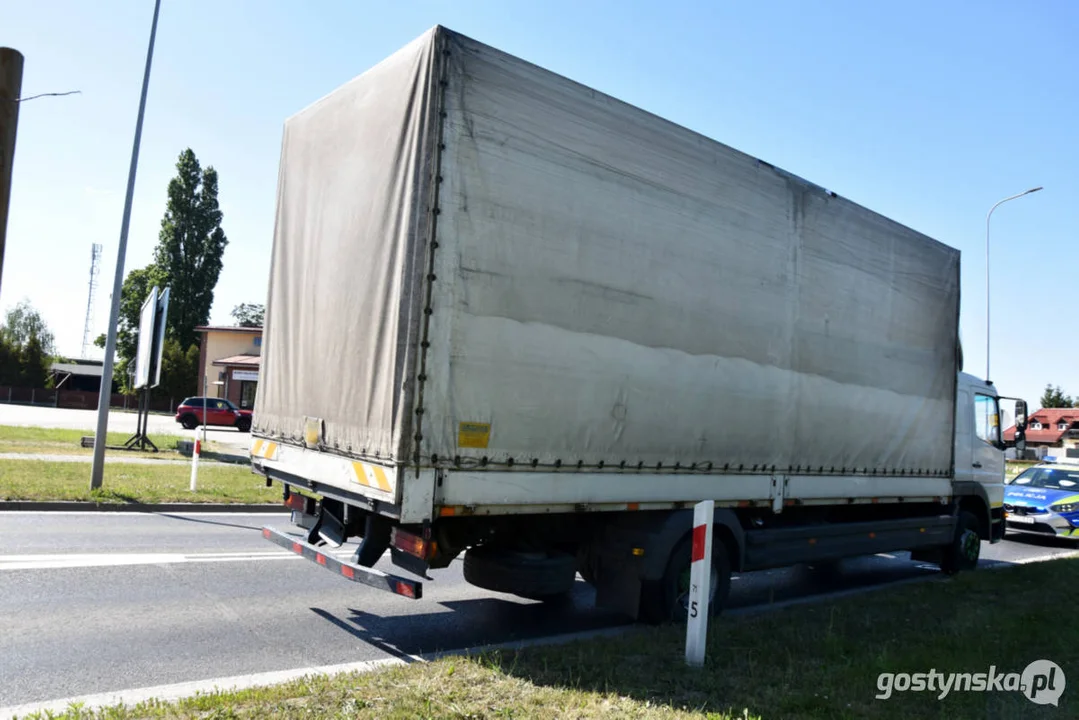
926 112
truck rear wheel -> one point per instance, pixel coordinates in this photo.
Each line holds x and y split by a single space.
536 576
666 600
966 547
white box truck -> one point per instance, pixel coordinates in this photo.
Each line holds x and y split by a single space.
515 319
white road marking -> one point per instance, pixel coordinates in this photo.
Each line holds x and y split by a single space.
1040 558
116 514
73 560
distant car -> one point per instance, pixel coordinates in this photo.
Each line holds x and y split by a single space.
218 412
1044 500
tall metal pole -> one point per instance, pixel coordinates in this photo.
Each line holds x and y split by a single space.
11 62
105 394
989 215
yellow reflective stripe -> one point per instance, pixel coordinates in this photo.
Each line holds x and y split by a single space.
256 449
372 476
271 451
380 478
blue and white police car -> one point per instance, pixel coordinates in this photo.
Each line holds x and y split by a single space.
1044 500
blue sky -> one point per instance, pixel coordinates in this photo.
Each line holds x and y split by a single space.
925 112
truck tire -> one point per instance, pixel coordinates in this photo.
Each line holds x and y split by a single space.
536 576
189 422
966 547
665 600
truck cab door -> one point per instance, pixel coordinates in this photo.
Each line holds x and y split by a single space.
987 458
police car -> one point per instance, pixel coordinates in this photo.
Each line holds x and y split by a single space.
1044 500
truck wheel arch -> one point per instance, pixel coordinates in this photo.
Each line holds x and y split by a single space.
971 496
677 525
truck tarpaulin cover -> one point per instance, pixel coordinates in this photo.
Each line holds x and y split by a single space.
476 258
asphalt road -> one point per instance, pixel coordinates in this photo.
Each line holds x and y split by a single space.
106 602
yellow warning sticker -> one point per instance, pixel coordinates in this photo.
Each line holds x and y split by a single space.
473 435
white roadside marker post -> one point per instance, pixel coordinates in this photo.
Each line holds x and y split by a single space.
195 460
700 581
198 443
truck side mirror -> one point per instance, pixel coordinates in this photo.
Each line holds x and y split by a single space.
1020 427
1020 415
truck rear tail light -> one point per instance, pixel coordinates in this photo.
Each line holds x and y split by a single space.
414 545
295 501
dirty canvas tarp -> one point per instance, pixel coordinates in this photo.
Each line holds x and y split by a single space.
608 287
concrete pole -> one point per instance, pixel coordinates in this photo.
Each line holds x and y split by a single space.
11 62
97 469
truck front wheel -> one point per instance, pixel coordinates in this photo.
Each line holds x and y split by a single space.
966 547
667 599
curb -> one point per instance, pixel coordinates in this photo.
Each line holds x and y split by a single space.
68 506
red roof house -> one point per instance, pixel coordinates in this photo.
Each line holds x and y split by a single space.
1049 426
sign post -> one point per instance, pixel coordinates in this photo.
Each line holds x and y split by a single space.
700 582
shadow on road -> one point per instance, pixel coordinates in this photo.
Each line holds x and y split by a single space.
222 523
475 622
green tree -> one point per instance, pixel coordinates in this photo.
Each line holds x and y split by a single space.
249 314
190 247
26 348
179 370
10 365
34 364
23 322
188 260
1054 397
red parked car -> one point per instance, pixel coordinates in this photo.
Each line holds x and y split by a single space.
218 412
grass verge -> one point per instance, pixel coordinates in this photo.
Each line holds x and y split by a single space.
217 483
56 441
811 661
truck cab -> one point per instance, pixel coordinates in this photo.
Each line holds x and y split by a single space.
979 445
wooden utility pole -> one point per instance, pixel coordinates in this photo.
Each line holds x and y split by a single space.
10 87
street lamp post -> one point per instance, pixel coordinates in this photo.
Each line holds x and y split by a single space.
989 215
97 468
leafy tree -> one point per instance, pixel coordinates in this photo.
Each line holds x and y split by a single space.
23 322
10 365
26 348
1054 397
188 260
249 314
34 364
190 247
179 370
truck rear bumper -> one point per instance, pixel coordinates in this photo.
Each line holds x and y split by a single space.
350 571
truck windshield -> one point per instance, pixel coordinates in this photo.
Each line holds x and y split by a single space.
1049 478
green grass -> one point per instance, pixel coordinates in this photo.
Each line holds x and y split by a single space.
812 661
1014 467
217 483
54 441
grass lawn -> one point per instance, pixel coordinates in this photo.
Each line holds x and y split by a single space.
813 661
54 441
1013 468
217 483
